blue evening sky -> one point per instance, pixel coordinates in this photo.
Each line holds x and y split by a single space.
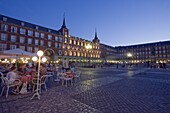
118 22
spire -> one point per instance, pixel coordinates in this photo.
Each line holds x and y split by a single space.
95 34
64 24
96 40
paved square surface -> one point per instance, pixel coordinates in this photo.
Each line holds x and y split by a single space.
107 90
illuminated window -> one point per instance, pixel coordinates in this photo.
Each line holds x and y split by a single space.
65 53
78 54
74 41
65 40
70 41
74 53
70 53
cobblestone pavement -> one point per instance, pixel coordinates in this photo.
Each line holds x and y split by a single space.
106 90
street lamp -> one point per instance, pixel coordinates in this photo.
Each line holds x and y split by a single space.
129 55
88 47
40 53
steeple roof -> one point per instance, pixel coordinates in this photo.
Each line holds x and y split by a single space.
95 34
64 23
96 40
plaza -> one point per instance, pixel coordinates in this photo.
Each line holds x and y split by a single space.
100 90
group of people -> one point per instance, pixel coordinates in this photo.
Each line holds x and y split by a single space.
22 74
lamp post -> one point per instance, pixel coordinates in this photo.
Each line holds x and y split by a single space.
88 47
129 55
40 54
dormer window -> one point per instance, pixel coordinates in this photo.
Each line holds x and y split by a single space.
22 24
36 27
4 19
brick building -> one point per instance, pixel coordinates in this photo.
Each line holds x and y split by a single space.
57 44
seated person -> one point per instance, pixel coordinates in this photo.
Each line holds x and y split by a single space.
22 70
13 77
43 70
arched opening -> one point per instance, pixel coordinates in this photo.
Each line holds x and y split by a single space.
50 54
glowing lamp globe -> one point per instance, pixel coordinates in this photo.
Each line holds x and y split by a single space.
40 53
34 58
44 59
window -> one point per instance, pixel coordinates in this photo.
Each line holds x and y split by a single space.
29 40
3 36
12 46
70 41
60 39
4 27
49 44
74 42
22 47
22 40
22 31
29 49
3 47
42 42
4 19
70 53
30 33
56 45
82 44
65 40
36 42
13 38
74 53
37 34
56 38
42 35
13 29
65 53
49 37
78 54
35 49
60 45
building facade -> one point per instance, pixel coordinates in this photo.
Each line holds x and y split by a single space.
157 52
57 44
108 54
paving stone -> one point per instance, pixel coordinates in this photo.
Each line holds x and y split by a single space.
107 90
